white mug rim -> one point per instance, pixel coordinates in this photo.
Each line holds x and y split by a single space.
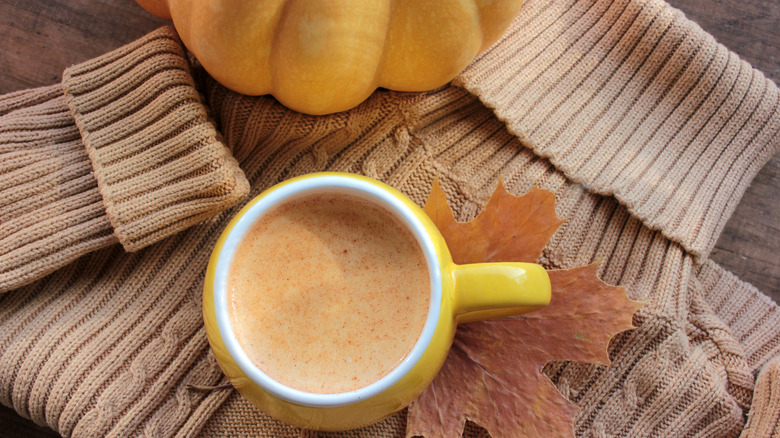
301 187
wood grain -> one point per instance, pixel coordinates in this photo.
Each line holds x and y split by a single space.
39 38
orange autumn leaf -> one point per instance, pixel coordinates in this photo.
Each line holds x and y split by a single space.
495 235
493 374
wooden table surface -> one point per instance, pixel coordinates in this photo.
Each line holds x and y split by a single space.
39 38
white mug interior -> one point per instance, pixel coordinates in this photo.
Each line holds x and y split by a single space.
293 190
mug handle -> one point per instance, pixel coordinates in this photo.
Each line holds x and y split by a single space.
496 290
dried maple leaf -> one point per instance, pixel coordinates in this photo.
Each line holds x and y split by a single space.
493 374
496 234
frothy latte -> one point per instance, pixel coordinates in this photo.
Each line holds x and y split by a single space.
327 293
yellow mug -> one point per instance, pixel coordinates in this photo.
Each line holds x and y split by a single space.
459 293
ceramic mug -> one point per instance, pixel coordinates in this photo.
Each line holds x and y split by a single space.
458 293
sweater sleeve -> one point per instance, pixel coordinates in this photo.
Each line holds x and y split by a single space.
121 151
634 100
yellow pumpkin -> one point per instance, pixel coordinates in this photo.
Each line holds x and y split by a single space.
324 56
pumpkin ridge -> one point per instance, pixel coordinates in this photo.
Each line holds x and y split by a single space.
329 56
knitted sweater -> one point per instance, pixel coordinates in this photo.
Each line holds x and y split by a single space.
646 129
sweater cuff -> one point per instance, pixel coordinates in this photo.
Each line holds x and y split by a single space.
158 161
632 99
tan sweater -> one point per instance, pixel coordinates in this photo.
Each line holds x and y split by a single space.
645 128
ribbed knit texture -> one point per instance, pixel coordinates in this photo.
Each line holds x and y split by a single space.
107 345
51 212
633 100
753 318
123 151
764 420
156 156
